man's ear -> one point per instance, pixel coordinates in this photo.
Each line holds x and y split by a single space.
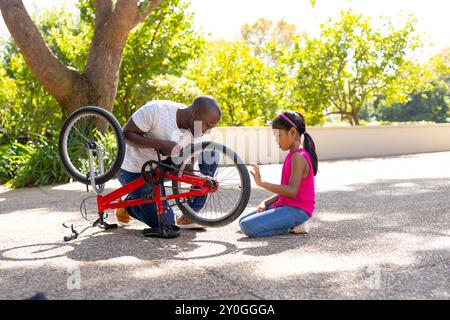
194 112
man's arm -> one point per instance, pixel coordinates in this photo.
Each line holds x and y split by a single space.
135 137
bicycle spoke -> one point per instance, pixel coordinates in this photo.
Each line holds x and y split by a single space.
80 134
218 196
223 179
72 138
224 198
215 209
91 128
222 169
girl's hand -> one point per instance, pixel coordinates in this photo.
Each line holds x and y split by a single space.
261 207
256 174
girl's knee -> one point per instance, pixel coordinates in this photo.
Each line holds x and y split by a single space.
246 229
245 216
242 224
241 219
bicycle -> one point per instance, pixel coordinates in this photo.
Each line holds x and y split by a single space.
92 149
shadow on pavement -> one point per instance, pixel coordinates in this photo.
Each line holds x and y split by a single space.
384 239
358 215
350 218
103 245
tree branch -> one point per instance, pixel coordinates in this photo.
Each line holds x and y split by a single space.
143 11
338 112
56 78
103 11
338 106
122 17
112 36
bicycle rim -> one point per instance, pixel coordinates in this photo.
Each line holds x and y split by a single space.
221 205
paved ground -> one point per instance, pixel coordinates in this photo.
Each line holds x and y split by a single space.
381 230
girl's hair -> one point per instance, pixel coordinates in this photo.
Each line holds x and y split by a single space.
299 121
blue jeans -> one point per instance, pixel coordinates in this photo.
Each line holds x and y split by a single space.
147 213
272 221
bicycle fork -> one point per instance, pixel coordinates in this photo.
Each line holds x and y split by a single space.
100 222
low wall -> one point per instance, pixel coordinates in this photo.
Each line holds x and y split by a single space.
257 144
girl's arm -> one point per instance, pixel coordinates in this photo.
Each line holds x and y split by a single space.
265 203
299 165
270 200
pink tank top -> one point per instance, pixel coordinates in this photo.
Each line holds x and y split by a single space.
305 199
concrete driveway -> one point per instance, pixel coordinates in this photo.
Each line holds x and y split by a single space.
381 231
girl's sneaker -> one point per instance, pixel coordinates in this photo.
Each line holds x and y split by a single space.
301 228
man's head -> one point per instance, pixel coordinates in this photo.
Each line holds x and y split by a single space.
205 111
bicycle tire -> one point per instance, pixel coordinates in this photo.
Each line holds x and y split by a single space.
63 151
245 181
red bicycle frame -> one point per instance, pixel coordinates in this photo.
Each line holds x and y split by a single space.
113 200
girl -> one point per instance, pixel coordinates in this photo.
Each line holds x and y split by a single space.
294 200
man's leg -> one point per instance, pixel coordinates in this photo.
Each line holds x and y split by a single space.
169 216
146 213
208 166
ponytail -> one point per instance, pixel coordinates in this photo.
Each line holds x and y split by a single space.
308 144
310 147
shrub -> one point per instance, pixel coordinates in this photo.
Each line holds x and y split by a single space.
32 164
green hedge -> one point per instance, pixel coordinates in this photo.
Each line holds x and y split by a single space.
32 164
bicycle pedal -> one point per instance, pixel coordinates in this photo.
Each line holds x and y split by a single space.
111 226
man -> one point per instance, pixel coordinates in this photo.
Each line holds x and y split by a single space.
166 126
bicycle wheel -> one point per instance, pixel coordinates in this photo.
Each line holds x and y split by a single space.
96 129
224 166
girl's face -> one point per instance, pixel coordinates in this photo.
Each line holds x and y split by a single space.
285 138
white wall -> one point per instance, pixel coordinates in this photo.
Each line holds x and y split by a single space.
257 144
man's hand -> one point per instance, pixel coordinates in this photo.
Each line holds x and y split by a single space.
256 174
169 148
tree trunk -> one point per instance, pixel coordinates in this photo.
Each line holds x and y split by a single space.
355 118
97 84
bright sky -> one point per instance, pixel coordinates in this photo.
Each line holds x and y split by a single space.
223 18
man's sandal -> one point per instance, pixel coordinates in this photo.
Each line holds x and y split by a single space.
163 231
